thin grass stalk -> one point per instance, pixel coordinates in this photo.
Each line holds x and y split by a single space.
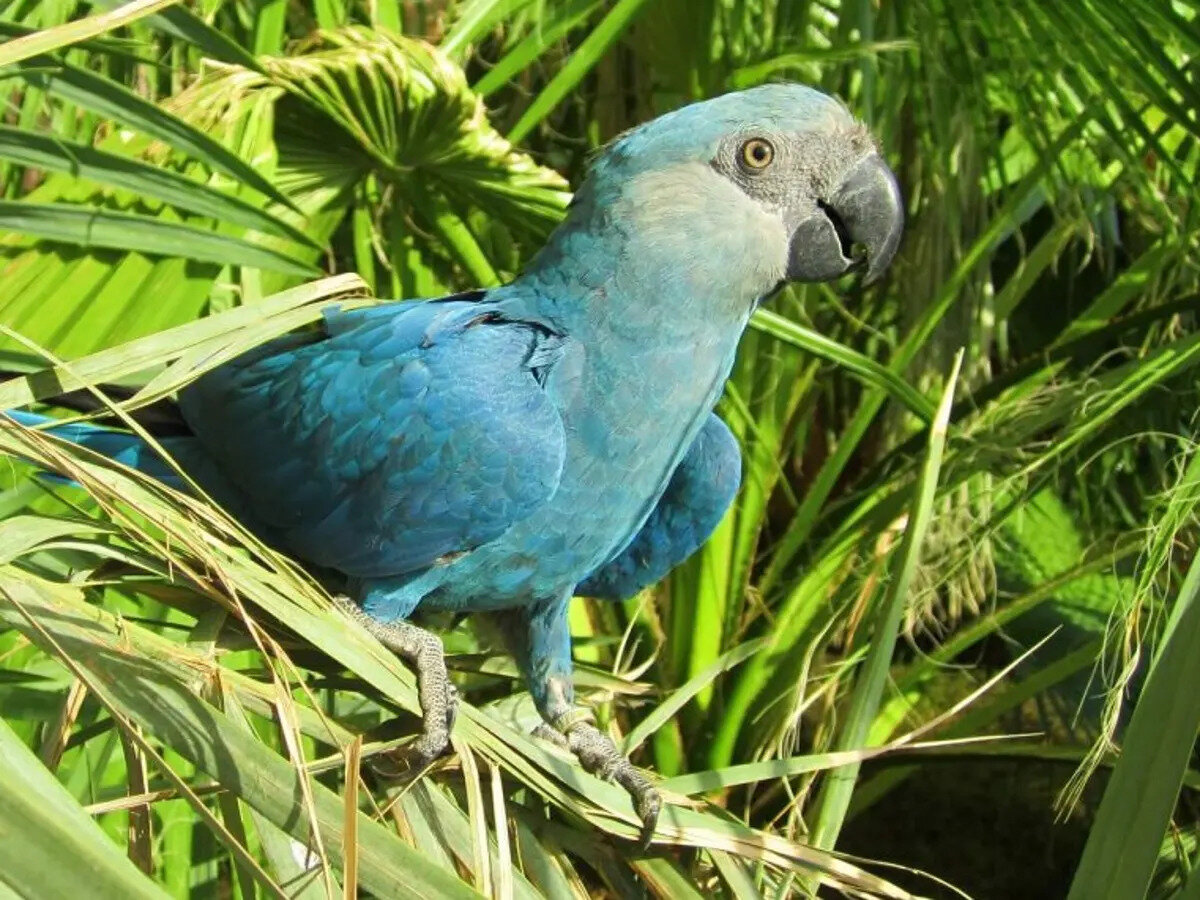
1122 848
834 798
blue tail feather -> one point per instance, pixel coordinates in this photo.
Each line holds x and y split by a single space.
130 450
121 446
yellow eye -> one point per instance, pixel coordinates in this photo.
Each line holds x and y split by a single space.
757 153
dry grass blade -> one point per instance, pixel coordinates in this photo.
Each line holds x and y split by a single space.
21 595
203 344
171 712
204 558
350 852
504 869
1048 156
1122 849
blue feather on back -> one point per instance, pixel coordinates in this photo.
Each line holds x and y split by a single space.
412 431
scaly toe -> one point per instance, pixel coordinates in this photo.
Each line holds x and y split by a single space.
648 805
347 606
609 770
545 733
451 706
422 752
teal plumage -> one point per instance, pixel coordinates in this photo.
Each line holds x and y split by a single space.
369 420
498 451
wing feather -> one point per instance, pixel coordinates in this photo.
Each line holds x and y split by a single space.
408 433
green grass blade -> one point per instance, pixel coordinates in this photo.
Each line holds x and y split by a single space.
737 877
834 799
680 697
948 294
666 880
170 712
1118 860
232 331
581 61
270 27
387 15
796 618
926 668
763 770
457 828
114 101
981 716
83 161
758 72
474 19
50 39
330 14
520 57
542 866
868 369
1130 284
456 236
181 23
58 846
1191 890
268 583
1047 251
113 47
86 226
276 843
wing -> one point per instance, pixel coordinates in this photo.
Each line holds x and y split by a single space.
700 490
408 433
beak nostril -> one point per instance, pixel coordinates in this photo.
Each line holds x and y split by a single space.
854 228
851 249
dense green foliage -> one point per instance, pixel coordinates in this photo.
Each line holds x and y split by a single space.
930 550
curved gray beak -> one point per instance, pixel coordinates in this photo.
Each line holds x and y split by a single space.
857 226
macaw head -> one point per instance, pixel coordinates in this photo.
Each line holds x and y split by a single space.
742 193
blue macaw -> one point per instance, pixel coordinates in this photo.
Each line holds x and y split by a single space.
501 450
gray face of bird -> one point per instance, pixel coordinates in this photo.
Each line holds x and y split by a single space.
706 210
824 177
838 200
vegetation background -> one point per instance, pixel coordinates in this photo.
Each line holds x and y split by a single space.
947 642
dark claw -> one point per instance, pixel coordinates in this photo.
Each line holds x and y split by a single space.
597 753
437 695
648 806
407 762
646 800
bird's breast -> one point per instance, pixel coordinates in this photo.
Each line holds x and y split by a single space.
630 412
630 418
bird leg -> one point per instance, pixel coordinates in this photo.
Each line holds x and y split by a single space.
596 752
423 650
540 640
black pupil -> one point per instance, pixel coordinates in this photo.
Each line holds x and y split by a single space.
759 152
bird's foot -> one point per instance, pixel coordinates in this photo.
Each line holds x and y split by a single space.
436 693
599 755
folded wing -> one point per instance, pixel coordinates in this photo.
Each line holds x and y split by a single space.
405 434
